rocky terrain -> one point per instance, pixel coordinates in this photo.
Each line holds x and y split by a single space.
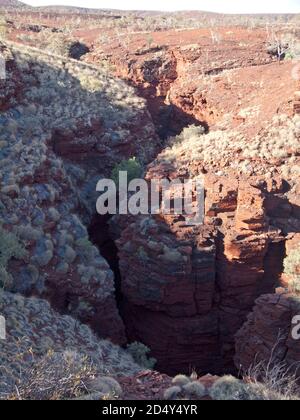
11 4
212 299
46 194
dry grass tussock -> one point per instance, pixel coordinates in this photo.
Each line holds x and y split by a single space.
280 143
47 355
61 376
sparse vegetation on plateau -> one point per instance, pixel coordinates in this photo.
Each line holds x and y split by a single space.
283 45
279 142
85 95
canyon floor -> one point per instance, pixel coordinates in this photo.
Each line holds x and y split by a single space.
149 306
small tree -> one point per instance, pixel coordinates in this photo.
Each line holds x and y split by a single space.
131 166
278 45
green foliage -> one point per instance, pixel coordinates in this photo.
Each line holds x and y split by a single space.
10 247
289 56
139 353
131 166
292 269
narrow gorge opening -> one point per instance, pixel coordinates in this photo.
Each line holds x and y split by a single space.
100 236
220 312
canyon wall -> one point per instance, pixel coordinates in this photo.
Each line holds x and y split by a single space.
66 125
267 334
187 289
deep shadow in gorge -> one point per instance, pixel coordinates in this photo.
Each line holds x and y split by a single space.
158 330
100 236
169 119
181 337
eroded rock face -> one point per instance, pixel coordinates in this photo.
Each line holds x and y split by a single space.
68 129
189 289
168 280
189 78
267 334
251 208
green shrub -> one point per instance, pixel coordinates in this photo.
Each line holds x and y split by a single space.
9 247
292 269
139 353
289 56
131 166
108 387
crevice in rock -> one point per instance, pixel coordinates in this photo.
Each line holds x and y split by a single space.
153 80
169 119
264 273
273 267
100 236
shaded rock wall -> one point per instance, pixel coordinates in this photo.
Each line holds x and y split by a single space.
188 290
267 334
67 127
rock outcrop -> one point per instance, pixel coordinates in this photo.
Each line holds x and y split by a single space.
267 334
185 290
189 289
67 127
190 78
